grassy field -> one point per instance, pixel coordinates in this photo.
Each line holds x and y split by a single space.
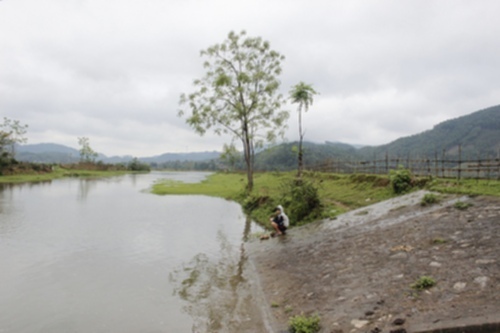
58 173
338 192
466 186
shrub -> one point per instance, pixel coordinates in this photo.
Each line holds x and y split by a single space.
439 240
302 199
401 180
424 282
136 165
429 199
304 324
460 205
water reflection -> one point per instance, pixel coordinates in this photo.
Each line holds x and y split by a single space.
84 186
217 290
81 255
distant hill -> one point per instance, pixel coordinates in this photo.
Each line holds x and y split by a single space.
172 157
47 153
477 133
284 156
46 148
56 153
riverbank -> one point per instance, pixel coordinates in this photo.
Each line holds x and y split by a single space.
338 193
59 172
356 271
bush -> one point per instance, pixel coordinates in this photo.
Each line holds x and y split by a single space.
136 165
304 324
460 205
429 199
302 199
424 282
401 180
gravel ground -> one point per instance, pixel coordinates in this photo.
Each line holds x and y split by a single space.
356 271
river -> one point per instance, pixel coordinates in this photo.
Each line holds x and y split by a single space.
105 255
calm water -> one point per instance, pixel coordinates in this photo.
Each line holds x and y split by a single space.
105 255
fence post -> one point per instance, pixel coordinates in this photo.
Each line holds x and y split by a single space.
459 161
498 164
436 169
478 165
442 162
488 165
386 163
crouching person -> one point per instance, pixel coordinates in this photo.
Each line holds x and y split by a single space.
280 221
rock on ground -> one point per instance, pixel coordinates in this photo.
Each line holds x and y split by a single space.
356 271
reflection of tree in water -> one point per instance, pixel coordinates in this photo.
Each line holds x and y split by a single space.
84 187
7 192
218 294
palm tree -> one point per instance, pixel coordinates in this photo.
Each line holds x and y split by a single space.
302 94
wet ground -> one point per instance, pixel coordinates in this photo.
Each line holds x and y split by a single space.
356 271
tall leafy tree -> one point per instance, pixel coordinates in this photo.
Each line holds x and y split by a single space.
87 154
238 95
302 94
12 132
230 155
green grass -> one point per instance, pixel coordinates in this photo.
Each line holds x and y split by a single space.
304 324
460 205
225 185
429 199
339 193
466 186
423 282
59 173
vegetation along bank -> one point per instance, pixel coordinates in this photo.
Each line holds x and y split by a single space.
318 195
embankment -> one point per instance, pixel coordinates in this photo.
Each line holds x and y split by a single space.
356 271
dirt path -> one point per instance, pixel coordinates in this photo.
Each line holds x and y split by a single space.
356 271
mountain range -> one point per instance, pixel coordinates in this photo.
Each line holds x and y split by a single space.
474 135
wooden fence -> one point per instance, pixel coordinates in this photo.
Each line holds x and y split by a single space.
439 166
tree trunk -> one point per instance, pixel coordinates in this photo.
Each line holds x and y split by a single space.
249 161
300 155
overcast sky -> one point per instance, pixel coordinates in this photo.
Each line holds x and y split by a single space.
113 70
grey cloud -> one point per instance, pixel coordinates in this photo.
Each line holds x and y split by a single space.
114 70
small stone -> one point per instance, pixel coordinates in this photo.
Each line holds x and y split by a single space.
482 280
399 255
369 313
435 264
399 277
399 330
398 321
485 261
359 323
459 286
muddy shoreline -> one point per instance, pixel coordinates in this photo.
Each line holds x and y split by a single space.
356 271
